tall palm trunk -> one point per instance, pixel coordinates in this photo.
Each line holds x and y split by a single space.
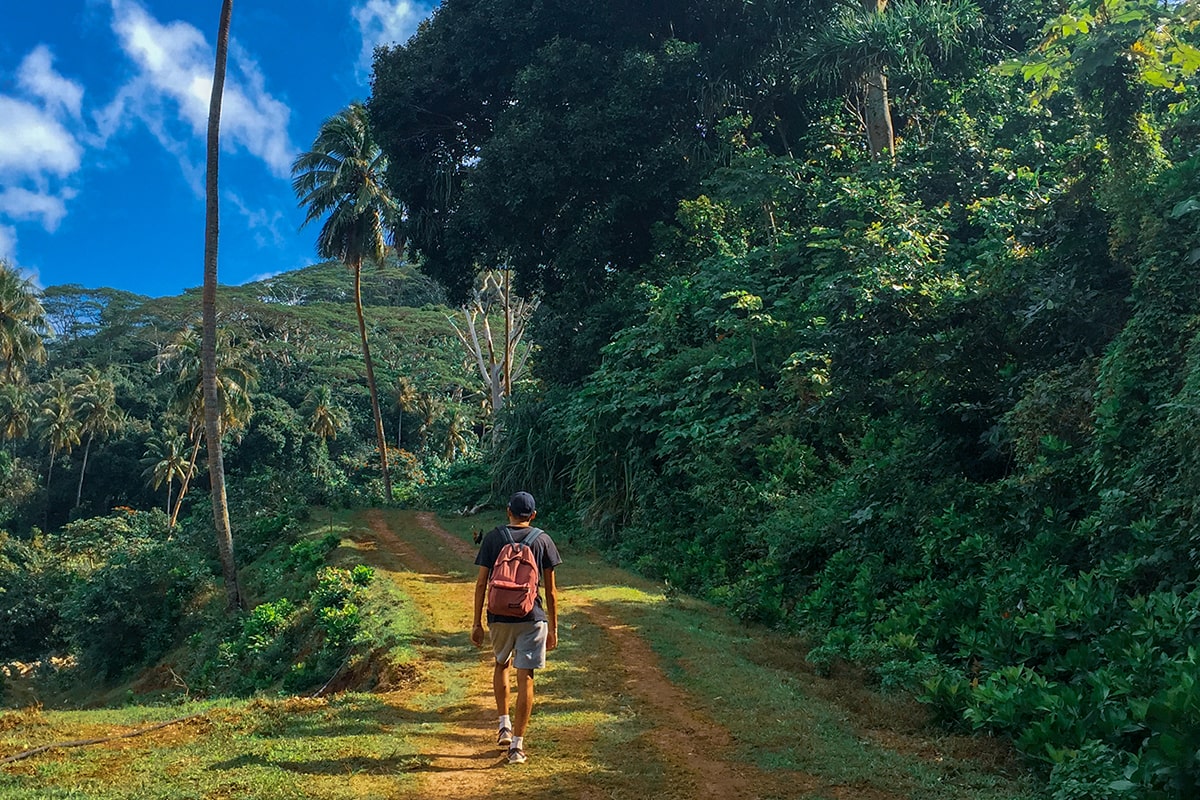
881 134
197 437
46 510
366 348
208 346
83 470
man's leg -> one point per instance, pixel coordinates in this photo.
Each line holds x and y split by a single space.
524 701
530 654
500 688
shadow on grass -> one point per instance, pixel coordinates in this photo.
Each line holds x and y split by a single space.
362 719
447 578
367 765
328 766
493 762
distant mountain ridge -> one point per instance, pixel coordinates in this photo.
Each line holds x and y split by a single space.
395 283
76 311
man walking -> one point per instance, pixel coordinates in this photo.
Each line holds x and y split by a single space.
519 637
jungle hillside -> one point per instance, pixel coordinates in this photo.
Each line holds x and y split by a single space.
869 331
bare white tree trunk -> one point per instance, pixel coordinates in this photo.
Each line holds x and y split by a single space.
499 366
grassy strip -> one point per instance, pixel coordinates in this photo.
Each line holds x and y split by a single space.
393 623
777 723
346 748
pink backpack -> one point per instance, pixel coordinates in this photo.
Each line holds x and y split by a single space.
513 585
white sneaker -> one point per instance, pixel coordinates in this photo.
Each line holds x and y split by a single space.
517 756
504 739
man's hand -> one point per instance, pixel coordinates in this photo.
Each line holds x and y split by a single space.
477 635
552 638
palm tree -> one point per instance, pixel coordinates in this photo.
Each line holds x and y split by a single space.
341 179
16 412
862 45
456 426
23 324
404 397
236 381
98 414
430 409
208 303
166 461
325 417
56 418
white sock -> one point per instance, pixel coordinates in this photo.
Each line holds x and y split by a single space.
518 743
505 722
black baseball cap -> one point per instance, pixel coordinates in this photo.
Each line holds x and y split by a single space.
521 504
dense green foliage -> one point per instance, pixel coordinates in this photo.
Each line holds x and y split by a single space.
284 339
937 413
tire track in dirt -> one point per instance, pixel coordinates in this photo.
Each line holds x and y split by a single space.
395 546
694 746
429 524
455 759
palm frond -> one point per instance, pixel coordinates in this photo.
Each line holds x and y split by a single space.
906 37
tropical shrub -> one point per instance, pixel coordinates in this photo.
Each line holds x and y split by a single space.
35 582
127 611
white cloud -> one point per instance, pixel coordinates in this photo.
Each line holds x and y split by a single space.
39 151
34 144
36 76
173 84
18 203
387 22
263 276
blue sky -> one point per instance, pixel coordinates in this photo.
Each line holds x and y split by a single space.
103 110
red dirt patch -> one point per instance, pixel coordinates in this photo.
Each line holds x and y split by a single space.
389 542
376 673
429 524
690 741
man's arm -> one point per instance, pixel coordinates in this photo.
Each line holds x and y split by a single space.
481 581
551 610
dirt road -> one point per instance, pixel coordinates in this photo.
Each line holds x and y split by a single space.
611 719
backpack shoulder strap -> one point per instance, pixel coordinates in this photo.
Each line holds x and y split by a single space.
532 536
508 539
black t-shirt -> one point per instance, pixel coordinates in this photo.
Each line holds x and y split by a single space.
544 550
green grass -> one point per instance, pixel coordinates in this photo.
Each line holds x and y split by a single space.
352 746
777 724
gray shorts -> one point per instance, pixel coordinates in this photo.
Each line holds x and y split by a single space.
523 642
